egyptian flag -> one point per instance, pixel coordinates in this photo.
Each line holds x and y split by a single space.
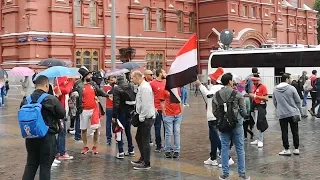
183 70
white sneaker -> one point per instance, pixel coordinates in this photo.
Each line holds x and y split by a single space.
254 142
285 153
56 161
54 165
260 144
72 132
211 162
231 162
296 152
120 156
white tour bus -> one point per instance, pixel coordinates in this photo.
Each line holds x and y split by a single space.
271 62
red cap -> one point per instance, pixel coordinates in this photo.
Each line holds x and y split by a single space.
216 75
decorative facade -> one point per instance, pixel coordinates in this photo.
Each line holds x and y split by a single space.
149 32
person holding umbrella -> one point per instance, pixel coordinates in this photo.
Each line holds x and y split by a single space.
86 103
62 90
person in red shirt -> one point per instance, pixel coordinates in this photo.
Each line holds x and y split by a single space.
108 88
313 92
172 120
259 97
62 90
86 103
158 86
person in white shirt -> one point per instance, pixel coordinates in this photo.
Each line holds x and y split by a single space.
146 110
212 121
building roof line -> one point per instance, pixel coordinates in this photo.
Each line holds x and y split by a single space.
88 35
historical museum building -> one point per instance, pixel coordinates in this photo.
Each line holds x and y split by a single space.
149 32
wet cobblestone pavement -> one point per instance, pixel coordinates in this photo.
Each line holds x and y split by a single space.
264 164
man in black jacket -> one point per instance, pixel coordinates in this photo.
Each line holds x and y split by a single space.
41 152
123 104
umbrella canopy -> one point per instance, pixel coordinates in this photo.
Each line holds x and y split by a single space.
129 65
50 62
22 71
58 71
116 72
3 73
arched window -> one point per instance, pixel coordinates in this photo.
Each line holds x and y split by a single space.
160 20
180 21
192 22
88 58
146 20
93 13
77 13
155 59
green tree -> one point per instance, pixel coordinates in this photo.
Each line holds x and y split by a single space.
317 8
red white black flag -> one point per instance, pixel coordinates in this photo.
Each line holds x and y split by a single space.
183 70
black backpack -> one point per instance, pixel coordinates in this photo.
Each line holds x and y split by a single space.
227 120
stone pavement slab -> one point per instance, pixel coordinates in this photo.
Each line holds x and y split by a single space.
264 164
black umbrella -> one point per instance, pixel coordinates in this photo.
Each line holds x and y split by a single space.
3 73
52 62
129 65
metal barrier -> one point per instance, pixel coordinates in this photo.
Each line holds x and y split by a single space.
270 82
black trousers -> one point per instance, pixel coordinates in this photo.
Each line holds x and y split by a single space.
294 130
72 121
314 100
41 152
143 140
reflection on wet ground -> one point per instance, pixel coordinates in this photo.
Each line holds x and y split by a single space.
263 163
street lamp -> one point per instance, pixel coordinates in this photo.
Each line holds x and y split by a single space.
113 34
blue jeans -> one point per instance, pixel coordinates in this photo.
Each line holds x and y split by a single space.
108 124
2 92
184 95
127 128
214 139
61 141
172 127
77 135
157 128
305 97
238 140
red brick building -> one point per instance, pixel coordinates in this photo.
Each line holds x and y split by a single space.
149 32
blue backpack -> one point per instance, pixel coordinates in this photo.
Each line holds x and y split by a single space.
30 119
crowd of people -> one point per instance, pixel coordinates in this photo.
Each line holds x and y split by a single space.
233 107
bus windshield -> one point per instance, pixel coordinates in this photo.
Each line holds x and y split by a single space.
272 59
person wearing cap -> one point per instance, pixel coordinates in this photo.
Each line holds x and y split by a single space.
108 88
212 120
148 75
259 96
86 103
288 108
